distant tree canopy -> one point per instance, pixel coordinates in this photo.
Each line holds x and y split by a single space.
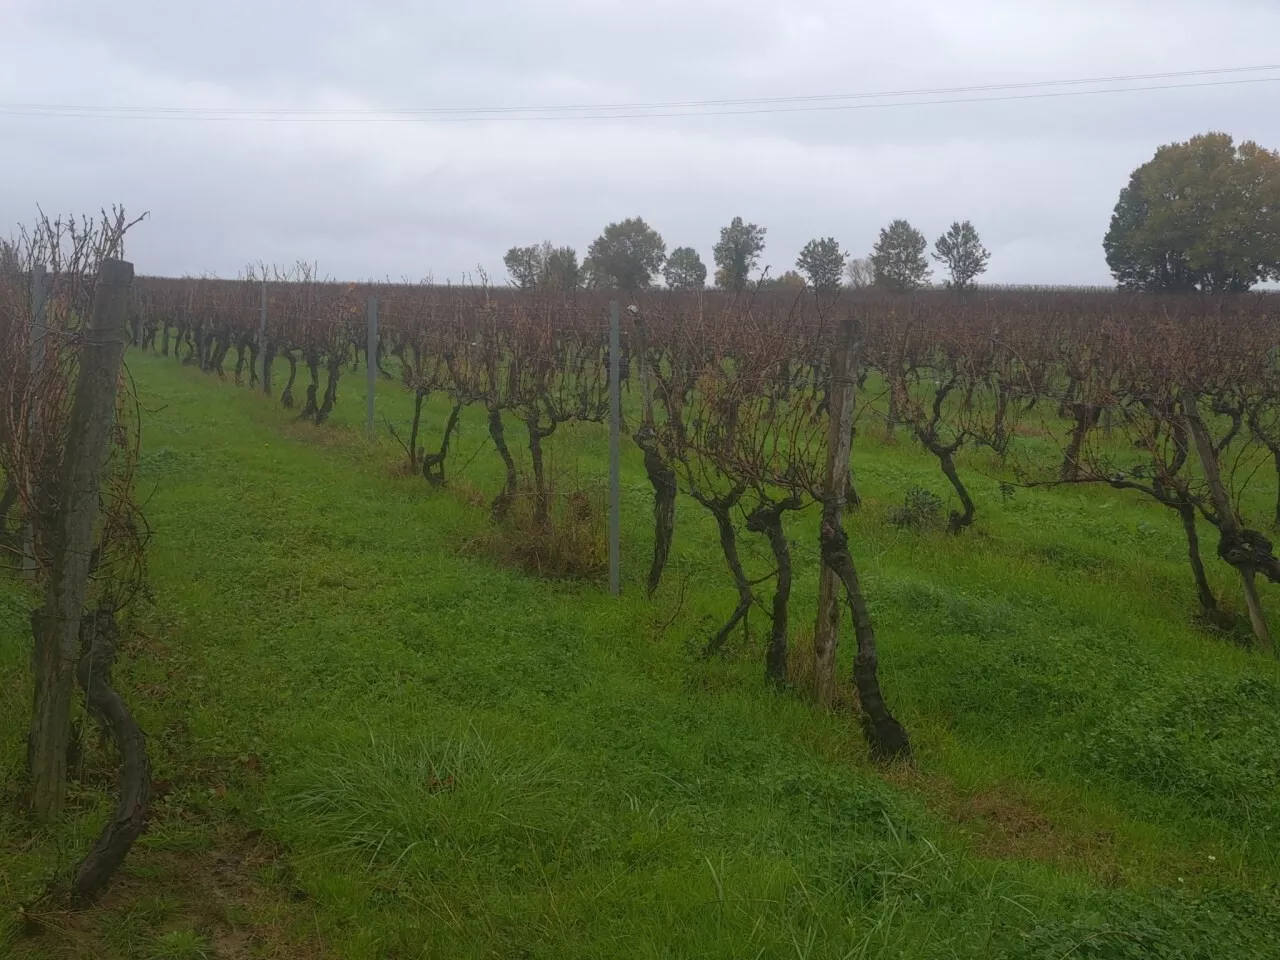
524 265
562 268
543 265
685 270
822 261
961 251
626 255
791 280
898 257
737 254
1201 215
859 273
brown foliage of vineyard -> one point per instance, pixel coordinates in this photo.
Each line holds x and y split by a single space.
1174 398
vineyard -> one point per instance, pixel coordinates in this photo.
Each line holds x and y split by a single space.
756 423
748 404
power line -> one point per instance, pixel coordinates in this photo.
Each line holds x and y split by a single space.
669 104
669 109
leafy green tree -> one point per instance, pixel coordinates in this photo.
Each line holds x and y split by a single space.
962 251
626 255
1201 215
543 265
560 268
788 281
822 261
685 270
898 257
737 254
524 264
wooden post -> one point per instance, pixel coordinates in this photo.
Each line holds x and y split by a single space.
615 453
39 300
371 366
826 631
88 435
135 318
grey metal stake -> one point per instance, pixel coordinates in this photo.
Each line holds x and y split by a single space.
371 351
39 298
615 433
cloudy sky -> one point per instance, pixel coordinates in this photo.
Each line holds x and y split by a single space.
250 130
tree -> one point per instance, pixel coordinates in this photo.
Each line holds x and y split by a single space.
543 265
963 253
859 273
1201 215
822 261
560 269
685 270
898 257
525 266
626 255
788 281
737 254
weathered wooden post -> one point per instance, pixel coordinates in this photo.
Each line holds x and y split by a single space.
58 633
39 300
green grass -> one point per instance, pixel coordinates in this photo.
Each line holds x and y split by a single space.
376 742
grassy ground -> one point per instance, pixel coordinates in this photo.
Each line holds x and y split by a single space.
371 740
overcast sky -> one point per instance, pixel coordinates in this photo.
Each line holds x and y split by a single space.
1038 177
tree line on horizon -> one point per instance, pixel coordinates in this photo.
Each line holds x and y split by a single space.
630 255
1203 215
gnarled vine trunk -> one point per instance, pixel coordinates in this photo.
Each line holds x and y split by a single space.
1208 602
1086 418
719 508
7 500
268 355
310 408
946 458
885 735
251 343
419 397
767 519
433 463
286 397
1246 550
241 344
1275 457
662 477
541 496
502 502
330 389
98 636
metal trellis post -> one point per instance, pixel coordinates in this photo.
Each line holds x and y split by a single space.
615 431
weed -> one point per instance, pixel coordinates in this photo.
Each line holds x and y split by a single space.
180 945
569 544
921 510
